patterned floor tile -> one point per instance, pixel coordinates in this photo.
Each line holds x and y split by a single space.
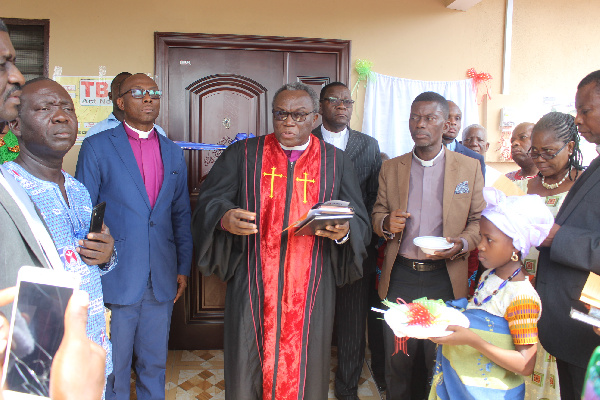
199 375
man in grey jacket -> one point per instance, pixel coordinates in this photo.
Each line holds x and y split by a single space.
18 244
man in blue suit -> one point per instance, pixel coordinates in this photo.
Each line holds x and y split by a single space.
142 177
449 137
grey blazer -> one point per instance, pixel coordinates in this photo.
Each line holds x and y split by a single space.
565 266
18 246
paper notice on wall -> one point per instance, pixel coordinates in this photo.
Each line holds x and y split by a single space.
90 97
94 92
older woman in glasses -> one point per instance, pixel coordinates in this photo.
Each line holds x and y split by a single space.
555 152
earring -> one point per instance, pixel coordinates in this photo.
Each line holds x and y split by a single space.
514 257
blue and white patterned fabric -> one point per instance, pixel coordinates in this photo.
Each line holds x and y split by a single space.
462 187
67 224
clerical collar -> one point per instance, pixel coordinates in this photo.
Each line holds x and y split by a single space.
302 147
431 162
141 134
328 133
598 148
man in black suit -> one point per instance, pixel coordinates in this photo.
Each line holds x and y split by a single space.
449 137
351 300
568 255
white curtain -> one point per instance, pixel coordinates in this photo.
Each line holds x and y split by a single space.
387 108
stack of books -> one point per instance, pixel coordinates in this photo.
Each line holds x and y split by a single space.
333 212
591 296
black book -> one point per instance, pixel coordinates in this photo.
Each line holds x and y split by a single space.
333 212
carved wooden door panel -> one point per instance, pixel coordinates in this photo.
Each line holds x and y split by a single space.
217 86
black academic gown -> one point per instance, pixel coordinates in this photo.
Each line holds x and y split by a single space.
235 182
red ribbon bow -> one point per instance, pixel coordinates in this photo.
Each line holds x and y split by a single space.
482 77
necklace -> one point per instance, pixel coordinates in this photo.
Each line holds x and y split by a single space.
477 302
520 175
551 186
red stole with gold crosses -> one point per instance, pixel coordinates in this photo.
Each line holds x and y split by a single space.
286 194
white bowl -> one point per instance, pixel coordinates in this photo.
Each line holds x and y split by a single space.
431 244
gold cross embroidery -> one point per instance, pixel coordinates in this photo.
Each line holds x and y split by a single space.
272 175
305 180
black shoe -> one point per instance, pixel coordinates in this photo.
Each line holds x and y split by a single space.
347 397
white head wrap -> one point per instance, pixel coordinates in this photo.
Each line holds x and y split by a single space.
525 219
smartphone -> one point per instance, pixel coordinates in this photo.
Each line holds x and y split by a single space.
97 217
36 330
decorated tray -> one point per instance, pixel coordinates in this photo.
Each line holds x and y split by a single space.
423 318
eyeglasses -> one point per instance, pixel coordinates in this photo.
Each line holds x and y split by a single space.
141 93
297 116
334 101
545 155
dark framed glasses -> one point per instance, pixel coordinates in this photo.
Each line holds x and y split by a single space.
334 101
545 154
141 93
298 116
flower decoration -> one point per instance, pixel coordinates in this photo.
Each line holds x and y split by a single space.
363 69
478 79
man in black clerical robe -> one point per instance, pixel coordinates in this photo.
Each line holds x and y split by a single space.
280 287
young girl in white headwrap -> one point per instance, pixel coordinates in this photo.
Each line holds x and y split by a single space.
489 359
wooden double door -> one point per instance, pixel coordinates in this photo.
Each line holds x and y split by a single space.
216 86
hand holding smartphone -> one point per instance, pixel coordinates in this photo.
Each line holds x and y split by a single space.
97 217
98 250
36 330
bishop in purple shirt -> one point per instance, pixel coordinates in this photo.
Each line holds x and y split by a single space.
142 177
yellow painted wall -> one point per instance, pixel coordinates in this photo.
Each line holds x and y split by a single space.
554 41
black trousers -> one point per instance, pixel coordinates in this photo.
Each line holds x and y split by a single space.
375 326
351 307
409 285
571 379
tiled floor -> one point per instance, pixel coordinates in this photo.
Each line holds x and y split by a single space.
198 375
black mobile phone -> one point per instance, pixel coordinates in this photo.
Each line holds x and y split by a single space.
97 217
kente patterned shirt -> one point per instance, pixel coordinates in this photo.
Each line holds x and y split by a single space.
517 302
67 224
553 203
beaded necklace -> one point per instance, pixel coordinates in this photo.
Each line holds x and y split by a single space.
551 186
488 298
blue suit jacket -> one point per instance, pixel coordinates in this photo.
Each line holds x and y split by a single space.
462 149
155 241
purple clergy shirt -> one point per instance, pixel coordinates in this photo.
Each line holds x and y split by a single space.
293 155
149 161
425 205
